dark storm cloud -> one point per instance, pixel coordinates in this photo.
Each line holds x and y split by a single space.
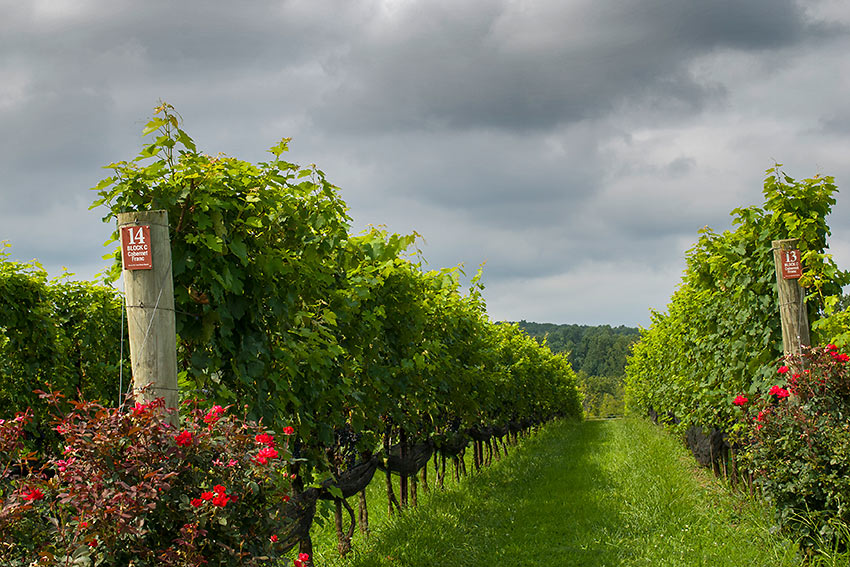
173 35
522 66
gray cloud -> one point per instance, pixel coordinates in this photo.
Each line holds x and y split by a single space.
560 141
518 66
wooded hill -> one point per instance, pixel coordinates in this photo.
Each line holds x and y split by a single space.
595 350
597 354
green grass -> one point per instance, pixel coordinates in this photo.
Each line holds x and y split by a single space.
595 493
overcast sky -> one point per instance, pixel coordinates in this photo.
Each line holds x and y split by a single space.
576 146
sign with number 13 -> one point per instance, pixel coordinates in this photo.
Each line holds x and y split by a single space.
791 267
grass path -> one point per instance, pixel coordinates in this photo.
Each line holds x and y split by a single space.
595 493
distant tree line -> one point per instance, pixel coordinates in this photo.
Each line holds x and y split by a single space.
598 354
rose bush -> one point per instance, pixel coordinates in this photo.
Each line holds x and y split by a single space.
127 488
798 443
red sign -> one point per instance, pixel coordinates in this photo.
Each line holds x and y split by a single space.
136 247
791 267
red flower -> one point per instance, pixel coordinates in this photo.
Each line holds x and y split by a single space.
213 415
740 400
303 559
831 347
265 439
221 500
761 416
286 497
33 495
184 439
265 454
273 538
139 409
207 496
841 357
196 502
288 430
783 369
778 392
219 489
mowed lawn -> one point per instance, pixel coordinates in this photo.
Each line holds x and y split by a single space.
594 493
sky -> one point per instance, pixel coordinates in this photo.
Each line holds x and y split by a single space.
574 146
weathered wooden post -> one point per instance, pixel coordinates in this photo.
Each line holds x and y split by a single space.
792 308
149 292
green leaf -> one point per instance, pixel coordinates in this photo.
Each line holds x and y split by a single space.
214 242
184 139
153 125
238 247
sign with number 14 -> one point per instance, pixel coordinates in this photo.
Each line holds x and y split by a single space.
136 247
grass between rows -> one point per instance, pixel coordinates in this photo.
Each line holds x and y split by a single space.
594 493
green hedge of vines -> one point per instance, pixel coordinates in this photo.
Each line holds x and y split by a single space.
60 332
281 308
721 334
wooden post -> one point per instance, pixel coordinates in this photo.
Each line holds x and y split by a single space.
792 308
150 310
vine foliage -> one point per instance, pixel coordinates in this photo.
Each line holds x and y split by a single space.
721 334
279 306
59 331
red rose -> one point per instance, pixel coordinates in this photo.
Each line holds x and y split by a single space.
288 430
778 392
183 439
213 415
196 502
783 369
33 495
740 400
265 439
265 454
139 409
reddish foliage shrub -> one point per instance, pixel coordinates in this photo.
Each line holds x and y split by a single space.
129 488
798 443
